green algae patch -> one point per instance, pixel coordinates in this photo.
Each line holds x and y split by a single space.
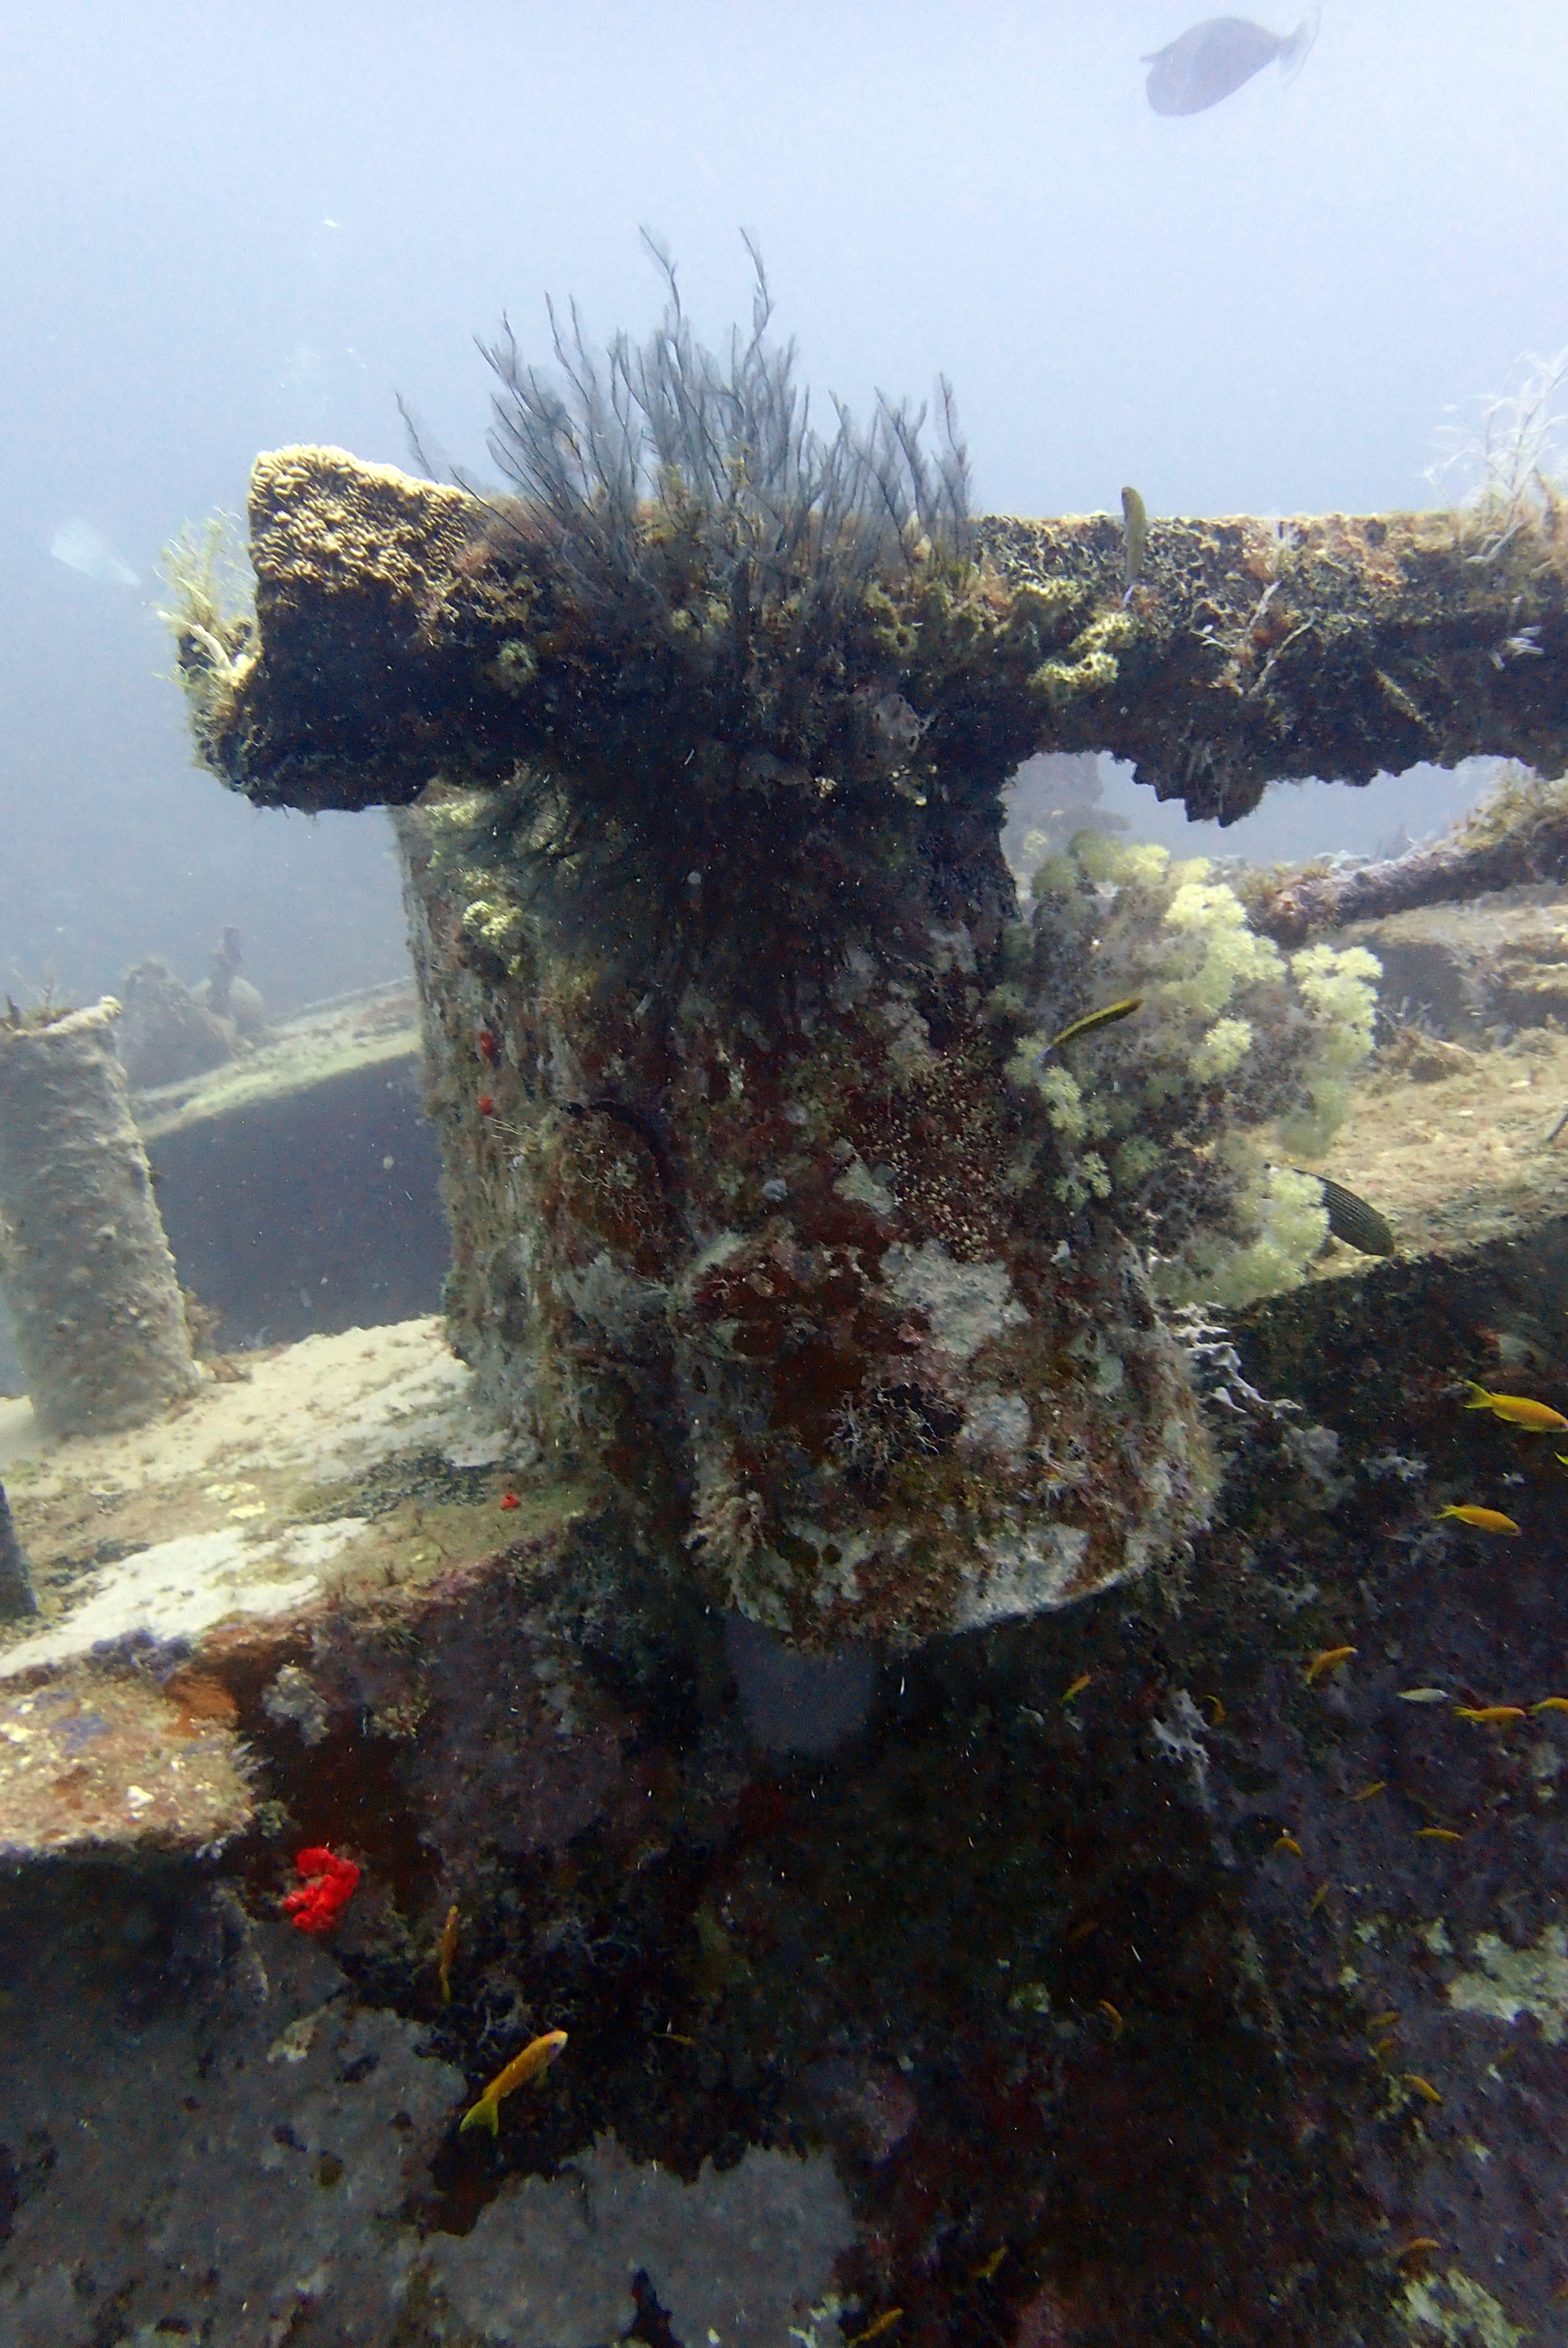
1458 2312
1511 1982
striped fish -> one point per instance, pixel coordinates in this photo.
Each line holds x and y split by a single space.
1351 1218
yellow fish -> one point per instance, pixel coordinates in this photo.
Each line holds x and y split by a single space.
535 2058
874 2331
1518 1410
1485 1520
446 1955
1327 1659
1489 1712
1093 1019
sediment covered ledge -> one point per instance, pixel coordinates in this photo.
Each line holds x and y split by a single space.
402 626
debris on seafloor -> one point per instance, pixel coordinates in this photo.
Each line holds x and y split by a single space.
90 1281
167 1033
171 1033
1518 835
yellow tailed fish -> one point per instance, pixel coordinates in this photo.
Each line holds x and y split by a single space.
536 2058
1518 1410
1485 1520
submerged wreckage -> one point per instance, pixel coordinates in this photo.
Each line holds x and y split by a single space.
836 1241
775 1208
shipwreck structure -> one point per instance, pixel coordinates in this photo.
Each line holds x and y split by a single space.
91 1284
774 1208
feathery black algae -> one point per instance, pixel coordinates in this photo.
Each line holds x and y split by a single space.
736 579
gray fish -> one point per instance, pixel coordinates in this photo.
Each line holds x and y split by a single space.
1351 1220
1212 59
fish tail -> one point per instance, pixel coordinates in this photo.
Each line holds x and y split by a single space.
1484 1400
484 2114
1298 46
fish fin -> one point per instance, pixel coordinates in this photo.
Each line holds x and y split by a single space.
1298 47
1482 1399
484 2114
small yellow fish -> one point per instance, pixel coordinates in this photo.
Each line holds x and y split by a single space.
1423 1695
1437 1834
1423 2087
1327 1658
1077 1686
1105 1017
1378 1786
1489 1712
1217 1718
535 2058
1485 1520
1518 1410
1135 531
445 1955
874 2331
1288 1842
988 2267
1319 1897
1551 1704
1418 2249
1113 2016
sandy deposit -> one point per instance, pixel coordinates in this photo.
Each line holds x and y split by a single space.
246 1500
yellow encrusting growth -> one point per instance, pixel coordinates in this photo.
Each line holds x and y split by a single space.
1164 1116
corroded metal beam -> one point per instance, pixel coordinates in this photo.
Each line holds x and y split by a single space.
403 627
